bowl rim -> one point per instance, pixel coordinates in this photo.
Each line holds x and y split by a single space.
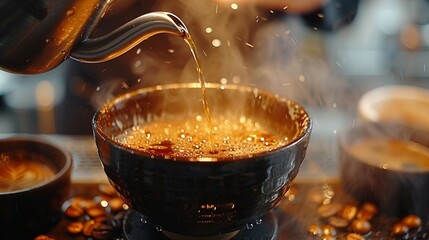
42 140
98 131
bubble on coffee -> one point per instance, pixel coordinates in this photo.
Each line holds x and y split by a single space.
21 170
189 138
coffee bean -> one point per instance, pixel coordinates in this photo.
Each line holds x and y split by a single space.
43 237
328 230
95 212
399 230
102 231
338 222
354 236
75 227
328 210
88 226
367 211
370 207
314 230
361 226
116 204
349 212
73 211
412 221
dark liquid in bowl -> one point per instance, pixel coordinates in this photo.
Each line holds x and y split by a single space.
20 170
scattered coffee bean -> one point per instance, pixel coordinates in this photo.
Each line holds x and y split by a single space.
370 207
95 212
349 212
75 227
328 230
354 236
328 210
338 222
367 211
361 226
412 221
399 230
314 230
116 204
88 226
43 237
73 211
102 231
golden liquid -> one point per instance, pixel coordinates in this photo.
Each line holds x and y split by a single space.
17 173
188 139
392 154
201 79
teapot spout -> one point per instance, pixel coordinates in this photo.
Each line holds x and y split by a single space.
118 42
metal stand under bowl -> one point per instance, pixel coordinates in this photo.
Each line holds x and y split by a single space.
136 228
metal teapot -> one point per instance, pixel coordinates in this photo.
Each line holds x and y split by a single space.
37 35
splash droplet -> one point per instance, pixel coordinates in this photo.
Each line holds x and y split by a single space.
216 43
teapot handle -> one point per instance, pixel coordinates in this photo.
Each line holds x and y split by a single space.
116 43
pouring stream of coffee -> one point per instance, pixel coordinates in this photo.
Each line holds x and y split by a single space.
201 79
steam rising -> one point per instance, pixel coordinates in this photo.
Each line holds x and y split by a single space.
238 44
243 44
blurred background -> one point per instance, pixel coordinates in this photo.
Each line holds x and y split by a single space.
324 56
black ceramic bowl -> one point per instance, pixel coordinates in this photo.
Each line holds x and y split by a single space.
29 211
399 188
174 195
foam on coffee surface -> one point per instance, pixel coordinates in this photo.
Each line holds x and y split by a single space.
20 170
189 138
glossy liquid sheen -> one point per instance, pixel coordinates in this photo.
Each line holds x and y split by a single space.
392 154
21 171
188 139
